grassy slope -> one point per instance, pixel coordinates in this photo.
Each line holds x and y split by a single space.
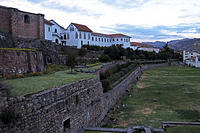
29 85
167 85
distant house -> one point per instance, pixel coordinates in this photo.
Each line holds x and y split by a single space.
191 58
144 47
78 35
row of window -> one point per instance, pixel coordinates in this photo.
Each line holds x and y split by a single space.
96 38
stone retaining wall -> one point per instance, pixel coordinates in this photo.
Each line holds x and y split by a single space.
20 62
46 112
111 97
69 107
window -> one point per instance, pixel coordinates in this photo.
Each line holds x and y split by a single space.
105 40
80 35
76 35
66 125
99 39
26 19
56 40
121 39
113 39
71 28
64 36
84 36
92 38
95 38
55 30
88 36
102 39
67 35
117 39
61 37
49 29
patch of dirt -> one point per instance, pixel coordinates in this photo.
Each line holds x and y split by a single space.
122 123
146 111
140 85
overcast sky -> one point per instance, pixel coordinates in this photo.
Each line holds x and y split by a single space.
143 20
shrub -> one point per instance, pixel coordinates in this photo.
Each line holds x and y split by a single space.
8 116
71 61
106 85
104 58
82 52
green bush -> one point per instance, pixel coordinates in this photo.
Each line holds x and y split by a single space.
8 116
106 85
82 52
104 58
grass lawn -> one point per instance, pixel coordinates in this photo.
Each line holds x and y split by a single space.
162 94
29 85
90 68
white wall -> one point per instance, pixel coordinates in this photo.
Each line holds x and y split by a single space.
78 42
54 34
48 32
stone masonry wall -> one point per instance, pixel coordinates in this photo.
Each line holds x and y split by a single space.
111 97
70 107
46 112
20 62
13 21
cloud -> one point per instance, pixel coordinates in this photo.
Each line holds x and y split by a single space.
125 3
143 19
156 32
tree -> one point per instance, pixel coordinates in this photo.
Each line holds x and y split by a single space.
71 61
82 52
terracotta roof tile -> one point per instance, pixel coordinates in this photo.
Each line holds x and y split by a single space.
47 22
141 45
81 27
118 35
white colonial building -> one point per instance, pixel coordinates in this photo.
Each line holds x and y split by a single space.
191 58
78 35
54 32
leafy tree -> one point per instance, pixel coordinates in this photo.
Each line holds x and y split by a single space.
71 61
82 52
104 58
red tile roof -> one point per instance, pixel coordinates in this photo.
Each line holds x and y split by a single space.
118 35
47 22
141 45
81 27
109 35
100 34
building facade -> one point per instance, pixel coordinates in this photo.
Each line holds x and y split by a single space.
78 35
191 58
21 24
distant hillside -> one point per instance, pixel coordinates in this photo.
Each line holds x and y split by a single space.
157 44
179 45
187 44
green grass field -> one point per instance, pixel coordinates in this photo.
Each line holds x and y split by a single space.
162 94
29 85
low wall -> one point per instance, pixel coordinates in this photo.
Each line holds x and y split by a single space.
111 97
47 112
68 108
